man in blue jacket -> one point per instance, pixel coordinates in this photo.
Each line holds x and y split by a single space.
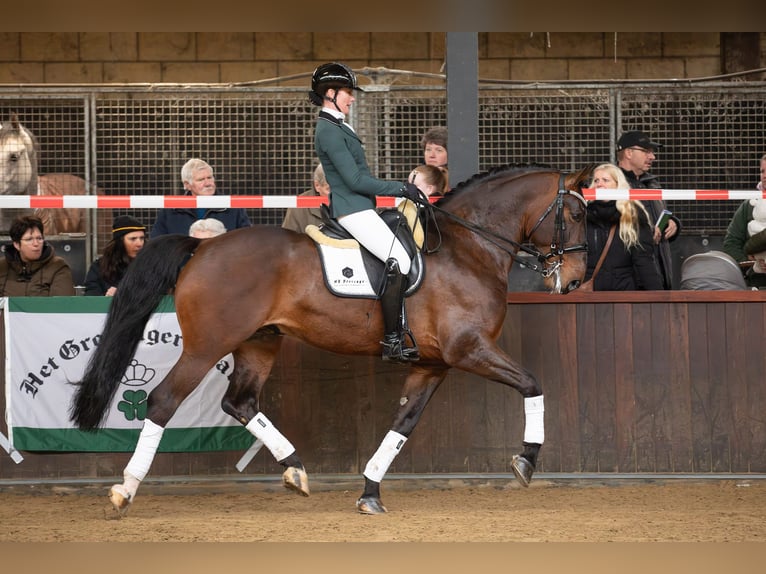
197 177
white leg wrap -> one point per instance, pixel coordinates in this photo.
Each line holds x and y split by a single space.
261 428
142 458
378 465
534 428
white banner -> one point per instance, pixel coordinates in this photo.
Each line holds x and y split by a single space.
49 342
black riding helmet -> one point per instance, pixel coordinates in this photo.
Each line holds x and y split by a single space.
331 75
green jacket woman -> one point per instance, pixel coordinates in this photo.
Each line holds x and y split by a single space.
352 197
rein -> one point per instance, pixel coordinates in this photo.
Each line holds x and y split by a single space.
557 242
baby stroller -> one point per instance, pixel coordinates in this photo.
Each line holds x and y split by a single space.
712 271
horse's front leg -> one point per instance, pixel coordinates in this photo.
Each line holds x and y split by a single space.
418 390
488 360
253 360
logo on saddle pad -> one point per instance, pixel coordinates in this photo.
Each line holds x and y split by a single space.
352 271
344 272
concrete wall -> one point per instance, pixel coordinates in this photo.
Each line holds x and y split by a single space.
212 57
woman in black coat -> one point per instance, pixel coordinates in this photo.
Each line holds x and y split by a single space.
629 264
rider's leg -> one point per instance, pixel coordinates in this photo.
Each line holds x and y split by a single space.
371 231
394 317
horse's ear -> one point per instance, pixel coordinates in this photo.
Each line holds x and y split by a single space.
15 124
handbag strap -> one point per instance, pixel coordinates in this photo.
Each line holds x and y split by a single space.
603 252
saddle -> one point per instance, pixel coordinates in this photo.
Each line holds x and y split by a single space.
350 270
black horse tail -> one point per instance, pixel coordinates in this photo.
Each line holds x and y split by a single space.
150 276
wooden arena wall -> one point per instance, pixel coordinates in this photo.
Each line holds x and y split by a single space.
668 382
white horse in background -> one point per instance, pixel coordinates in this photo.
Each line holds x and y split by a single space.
18 176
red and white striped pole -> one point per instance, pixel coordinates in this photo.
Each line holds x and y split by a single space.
288 201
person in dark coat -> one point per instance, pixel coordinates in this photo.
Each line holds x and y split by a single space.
197 178
353 190
635 154
629 264
105 273
747 221
31 267
755 250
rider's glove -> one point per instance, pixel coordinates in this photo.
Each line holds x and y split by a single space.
411 191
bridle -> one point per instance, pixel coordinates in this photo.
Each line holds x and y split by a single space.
547 263
558 250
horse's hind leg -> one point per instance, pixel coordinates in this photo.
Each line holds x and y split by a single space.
418 389
253 360
163 402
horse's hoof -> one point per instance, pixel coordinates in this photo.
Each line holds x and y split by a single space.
523 469
370 506
120 498
296 479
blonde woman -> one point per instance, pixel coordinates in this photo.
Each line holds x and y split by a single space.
629 264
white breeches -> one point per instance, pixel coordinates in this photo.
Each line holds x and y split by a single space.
370 230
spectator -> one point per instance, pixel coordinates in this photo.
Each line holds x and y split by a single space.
205 228
741 228
635 155
629 263
755 248
105 273
430 179
352 198
298 218
434 144
198 180
30 267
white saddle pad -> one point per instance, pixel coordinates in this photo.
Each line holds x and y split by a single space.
345 273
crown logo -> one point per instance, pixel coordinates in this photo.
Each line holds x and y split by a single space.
137 375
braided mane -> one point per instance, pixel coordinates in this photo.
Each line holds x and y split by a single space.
492 173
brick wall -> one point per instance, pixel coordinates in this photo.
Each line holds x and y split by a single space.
212 57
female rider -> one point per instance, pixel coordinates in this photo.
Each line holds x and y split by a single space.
352 197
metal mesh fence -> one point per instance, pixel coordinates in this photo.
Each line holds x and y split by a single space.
260 140
712 138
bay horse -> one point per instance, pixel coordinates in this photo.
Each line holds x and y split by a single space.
242 291
19 153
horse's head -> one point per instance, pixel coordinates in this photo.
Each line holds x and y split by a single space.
18 159
531 208
558 232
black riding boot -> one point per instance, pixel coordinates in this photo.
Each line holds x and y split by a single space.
395 318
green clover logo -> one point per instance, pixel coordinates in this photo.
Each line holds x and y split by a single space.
133 405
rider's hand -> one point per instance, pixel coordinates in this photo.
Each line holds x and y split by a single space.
411 191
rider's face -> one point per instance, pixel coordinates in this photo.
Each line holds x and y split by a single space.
344 98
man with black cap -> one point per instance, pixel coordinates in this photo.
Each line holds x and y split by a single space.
635 155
